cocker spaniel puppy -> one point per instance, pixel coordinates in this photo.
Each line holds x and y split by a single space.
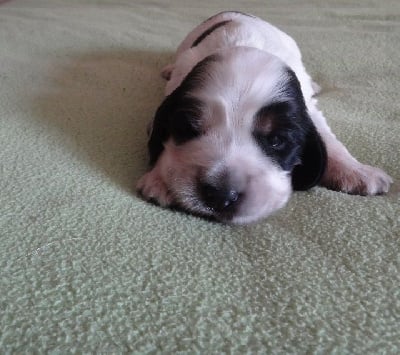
239 128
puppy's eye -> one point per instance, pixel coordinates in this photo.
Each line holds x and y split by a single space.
277 142
185 122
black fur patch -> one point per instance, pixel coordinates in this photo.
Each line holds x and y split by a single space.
229 12
283 142
293 141
179 114
209 31
185 123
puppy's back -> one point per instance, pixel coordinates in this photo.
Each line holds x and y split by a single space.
229 29
233 29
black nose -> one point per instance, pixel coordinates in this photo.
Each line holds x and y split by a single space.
218 198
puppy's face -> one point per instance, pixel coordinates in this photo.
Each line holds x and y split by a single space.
234 139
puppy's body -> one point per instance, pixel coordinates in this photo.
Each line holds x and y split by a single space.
239 128
234 29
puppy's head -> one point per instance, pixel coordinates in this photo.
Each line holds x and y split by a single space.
234 139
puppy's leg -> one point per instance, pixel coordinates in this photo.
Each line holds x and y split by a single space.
152 187
344 173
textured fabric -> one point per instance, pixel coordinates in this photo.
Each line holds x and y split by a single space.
87 266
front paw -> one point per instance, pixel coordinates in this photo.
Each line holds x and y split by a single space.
152 188
356 178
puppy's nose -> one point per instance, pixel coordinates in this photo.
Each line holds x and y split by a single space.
217 197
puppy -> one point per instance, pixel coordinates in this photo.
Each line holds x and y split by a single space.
239 128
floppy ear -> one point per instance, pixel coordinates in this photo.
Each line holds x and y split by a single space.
159 132
313 162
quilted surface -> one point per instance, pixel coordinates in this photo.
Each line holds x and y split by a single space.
86 266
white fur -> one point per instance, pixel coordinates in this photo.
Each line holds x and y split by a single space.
245 31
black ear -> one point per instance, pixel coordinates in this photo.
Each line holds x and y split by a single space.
313 162
159 131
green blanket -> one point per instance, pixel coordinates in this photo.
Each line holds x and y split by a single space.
87 266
